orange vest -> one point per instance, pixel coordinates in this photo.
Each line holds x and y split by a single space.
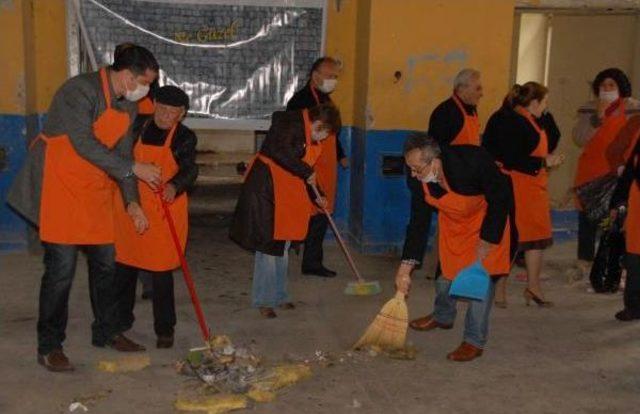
326 167
154 249
77 196
470 132
459 223
533 215
593 162
292 206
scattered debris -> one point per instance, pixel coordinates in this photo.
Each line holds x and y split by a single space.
125 364
77 405
232 376
408 352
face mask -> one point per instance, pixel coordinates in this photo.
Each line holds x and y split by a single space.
608 96
138 93
319 135
328 85
430 178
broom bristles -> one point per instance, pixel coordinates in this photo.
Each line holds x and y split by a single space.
389 329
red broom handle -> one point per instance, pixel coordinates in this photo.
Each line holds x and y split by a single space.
186 273
341 242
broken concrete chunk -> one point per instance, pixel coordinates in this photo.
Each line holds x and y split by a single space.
127 363
214 404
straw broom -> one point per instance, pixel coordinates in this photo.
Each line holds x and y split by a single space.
389 329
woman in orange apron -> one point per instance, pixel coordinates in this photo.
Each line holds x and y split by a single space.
628 193
598 128
165 142
274 206
521 146
474 202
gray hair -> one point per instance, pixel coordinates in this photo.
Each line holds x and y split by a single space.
427 145
465 76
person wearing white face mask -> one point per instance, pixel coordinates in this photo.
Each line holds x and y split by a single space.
323 79
475 211
276 201
66 188
600 130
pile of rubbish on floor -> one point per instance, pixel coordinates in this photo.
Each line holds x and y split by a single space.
230 377
233 378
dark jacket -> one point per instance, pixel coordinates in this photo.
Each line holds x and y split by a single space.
630 176
446 121
253 219
304 99
183 148
511 138
471 171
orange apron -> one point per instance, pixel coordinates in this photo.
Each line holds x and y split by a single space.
77 196
533 215
145 106
633 215
154 249
326 166
459 223
470 132
593 162
292 206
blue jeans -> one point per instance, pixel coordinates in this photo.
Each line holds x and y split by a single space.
476 323
60 268
270 279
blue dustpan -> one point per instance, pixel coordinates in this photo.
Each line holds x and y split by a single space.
471 283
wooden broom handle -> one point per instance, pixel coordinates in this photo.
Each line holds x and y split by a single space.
341 242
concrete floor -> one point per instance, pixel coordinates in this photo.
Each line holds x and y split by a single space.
573 358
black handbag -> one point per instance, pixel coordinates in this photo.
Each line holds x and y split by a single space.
595 196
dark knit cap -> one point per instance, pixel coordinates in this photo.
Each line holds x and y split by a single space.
172 96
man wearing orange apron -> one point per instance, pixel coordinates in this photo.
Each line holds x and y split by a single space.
475 203
165 142
66 188
628 192
323 78
275 205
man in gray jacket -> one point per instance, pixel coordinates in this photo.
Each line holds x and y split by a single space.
66 188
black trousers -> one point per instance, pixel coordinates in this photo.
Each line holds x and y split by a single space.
164 306
587 232
313 253
60 267
632 287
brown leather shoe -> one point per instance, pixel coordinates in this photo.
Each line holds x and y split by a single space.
164 341
55 361
465 352
427 323
268 313
123 344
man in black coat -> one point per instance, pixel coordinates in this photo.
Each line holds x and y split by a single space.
323 78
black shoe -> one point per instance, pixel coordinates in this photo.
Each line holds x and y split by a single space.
164 341
321 272
626 315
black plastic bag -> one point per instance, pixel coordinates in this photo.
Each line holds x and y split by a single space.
595 196
607 265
